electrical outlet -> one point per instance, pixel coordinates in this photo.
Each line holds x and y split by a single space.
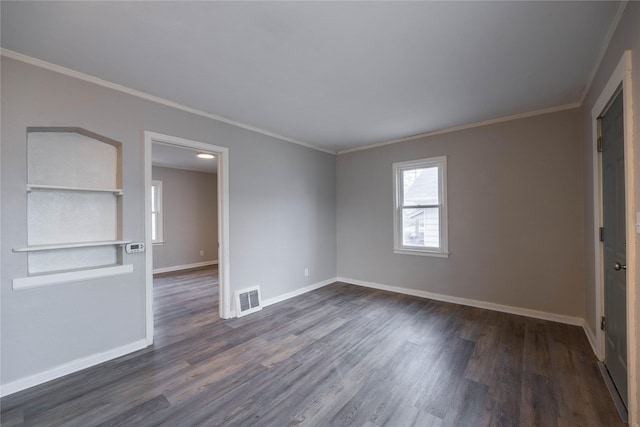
306 271
201 253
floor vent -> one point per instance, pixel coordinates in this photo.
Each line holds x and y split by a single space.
248 301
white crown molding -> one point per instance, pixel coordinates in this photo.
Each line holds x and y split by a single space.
143 95
95 80
467 126
605 46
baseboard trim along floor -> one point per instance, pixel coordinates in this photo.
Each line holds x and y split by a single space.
617 400
71 367
542 315
184 267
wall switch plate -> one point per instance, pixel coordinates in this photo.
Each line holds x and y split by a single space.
638 222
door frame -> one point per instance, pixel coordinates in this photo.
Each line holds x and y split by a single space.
621 76
223 221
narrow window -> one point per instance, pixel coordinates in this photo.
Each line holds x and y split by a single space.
156 212
420 216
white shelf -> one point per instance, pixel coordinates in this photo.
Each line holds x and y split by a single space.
115 191
35 248
47 279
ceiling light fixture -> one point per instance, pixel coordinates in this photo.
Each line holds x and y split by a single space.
205 155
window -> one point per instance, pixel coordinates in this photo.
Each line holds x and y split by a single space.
156 212
420 216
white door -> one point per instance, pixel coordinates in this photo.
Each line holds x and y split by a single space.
615 273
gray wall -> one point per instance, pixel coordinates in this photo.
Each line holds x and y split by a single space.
515 215
282 217
190 211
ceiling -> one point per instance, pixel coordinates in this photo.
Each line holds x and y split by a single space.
181 158
336 75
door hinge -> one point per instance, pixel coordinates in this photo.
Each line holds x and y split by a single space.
599 135
603 323
602 234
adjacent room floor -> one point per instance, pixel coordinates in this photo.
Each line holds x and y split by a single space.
341 355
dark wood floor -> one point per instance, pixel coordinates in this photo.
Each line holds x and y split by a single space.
341 355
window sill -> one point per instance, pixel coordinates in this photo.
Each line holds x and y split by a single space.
50 247
421 253
157 243
47 279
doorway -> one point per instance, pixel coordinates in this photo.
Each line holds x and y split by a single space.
614 243
222 154
617 223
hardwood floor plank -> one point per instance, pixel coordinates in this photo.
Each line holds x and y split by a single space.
340 355
129 394
536 349
139 414
538 406
382 390
469 405
481 366
444 374
505 389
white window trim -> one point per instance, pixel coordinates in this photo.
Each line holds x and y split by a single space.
160 236
398 190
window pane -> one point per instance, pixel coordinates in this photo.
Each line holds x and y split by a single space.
421 186
421 227
154 226
154 190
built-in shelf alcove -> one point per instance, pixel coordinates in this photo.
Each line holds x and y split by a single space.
74 206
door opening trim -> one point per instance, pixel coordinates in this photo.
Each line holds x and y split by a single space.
620 78
223 222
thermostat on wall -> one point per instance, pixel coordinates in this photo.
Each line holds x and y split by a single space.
133 248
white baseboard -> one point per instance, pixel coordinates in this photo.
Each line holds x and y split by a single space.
69 368
570 320
184 267
591 336
297 292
